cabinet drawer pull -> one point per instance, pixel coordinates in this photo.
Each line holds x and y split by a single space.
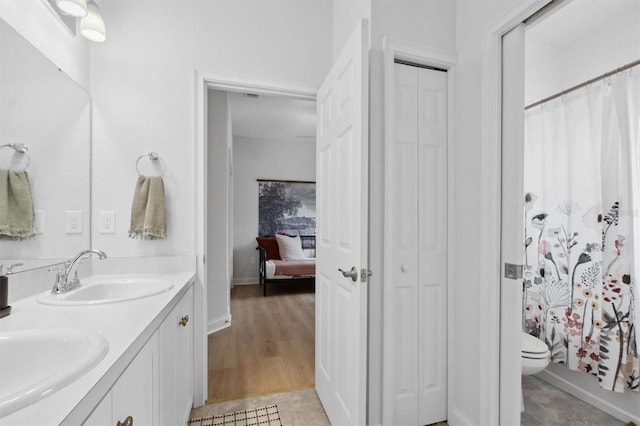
183 322
127 422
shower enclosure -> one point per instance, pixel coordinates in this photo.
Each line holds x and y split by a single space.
582 227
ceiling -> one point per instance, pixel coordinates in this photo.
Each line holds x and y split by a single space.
272 117
574 19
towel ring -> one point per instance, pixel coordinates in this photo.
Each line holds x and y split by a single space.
153 156
20 148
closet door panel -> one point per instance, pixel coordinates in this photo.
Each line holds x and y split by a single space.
432 218
415 305
404 243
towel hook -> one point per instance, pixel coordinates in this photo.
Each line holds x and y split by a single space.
153 156
19 148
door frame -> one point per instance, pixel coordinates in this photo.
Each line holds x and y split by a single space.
394 49
203 81
491 203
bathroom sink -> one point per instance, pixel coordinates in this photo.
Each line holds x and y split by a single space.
35 363
98 290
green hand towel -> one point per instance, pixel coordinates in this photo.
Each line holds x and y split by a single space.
148 218
16 205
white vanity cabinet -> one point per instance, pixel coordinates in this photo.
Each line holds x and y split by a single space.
134 394
176 363
157 386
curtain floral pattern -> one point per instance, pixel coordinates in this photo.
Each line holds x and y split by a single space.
580 294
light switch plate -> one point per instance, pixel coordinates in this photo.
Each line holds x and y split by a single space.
107 223
74 221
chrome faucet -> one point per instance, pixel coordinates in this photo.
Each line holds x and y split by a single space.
67 277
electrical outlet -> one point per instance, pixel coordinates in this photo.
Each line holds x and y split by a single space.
74 221
38 221
107 222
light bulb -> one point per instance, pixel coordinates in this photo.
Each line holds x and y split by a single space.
92 25
77 8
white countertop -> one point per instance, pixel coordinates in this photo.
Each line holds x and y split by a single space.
126 326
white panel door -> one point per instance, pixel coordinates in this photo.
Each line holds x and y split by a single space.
415 302
432 248
342 240
512 239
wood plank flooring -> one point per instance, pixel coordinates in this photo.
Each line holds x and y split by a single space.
269 346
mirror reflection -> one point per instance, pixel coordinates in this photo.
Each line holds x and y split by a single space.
44 109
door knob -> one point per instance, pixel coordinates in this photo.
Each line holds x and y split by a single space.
127 422
184 320
353 273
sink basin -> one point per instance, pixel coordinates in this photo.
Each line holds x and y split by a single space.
35 363
97 290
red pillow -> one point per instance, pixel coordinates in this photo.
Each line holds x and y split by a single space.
270 244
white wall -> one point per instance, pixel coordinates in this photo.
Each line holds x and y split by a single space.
219 182
142 88
470 399
262 159
346 15
37 24
551 68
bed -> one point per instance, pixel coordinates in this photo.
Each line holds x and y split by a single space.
282 259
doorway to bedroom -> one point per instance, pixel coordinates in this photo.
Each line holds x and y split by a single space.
266 345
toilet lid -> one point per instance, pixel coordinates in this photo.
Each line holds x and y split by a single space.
533 347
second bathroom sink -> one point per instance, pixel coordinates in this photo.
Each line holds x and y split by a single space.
37 362
108 289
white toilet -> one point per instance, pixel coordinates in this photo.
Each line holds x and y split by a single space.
535 355
534 358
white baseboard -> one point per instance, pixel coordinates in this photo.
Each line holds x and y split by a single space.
588 397
459 419
218 324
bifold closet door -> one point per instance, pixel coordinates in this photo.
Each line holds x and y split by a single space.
416 298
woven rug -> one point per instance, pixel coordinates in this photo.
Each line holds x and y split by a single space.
262 416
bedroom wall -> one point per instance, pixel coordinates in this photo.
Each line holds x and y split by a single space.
261 159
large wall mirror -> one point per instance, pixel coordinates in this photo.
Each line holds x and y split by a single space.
46 110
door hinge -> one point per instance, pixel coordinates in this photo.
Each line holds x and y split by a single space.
365 274
512 271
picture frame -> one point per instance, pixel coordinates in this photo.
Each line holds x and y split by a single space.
287 207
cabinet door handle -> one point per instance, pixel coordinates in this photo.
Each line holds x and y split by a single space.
183 322
127 422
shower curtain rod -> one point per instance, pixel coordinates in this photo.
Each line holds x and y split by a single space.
586 83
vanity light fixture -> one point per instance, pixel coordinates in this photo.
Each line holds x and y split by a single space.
77 8
92 26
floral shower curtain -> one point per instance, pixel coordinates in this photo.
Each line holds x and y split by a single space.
582 233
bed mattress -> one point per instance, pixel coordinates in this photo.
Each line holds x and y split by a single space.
276 269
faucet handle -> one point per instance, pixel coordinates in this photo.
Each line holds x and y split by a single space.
59 285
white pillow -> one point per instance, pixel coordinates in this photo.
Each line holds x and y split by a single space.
290 248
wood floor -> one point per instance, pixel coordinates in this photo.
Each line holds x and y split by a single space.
269 346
